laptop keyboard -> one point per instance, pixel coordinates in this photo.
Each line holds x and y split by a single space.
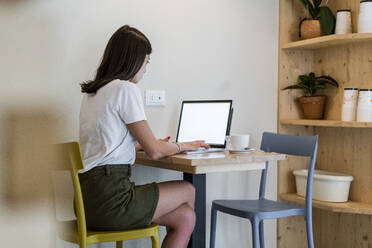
204 150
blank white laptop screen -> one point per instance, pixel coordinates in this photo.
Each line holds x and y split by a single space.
205 120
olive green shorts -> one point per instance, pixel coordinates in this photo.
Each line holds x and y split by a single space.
112 202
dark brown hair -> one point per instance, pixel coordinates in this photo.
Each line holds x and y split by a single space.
123 57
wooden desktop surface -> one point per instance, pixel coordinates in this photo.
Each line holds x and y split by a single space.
211 162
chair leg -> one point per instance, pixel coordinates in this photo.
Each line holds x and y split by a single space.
155 240
213 227
309 231
119 244
255 232
262 236
83 243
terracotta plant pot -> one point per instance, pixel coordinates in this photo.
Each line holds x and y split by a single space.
313 106
311 29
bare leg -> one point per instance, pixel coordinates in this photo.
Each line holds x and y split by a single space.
180 224
175 210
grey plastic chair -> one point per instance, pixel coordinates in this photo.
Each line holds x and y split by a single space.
258 210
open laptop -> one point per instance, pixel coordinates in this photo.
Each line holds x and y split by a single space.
208 120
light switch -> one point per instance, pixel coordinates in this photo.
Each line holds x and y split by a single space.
155 97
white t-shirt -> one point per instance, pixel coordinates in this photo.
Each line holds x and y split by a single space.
103 134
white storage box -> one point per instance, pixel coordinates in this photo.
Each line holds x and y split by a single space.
327 186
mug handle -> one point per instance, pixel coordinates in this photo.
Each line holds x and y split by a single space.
228 141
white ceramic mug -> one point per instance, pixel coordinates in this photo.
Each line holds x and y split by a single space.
237 141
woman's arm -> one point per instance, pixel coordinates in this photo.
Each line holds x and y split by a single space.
154 148
158 148
139 147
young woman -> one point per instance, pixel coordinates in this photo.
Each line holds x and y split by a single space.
112 127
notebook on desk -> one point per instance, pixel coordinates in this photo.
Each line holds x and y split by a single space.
208 120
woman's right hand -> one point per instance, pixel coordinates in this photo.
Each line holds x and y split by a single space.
193 145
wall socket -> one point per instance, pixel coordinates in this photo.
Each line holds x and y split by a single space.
155 97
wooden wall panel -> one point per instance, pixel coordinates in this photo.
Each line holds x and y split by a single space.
347 150
350 65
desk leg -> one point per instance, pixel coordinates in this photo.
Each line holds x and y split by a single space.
198 236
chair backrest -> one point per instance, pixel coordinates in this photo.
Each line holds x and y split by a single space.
291 145
72 150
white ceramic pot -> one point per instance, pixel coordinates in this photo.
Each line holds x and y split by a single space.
349 104
343 22
327 186
364 110
365 17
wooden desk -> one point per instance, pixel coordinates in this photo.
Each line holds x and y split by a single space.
195 167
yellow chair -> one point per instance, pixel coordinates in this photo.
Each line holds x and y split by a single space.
76 231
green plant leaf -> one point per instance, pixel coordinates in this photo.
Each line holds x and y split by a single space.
310 7
299 86
312 80
317 3
316 14
331 80
320 86
303 78
305 3
310 84
312 11
303 85
327 20
291 87
326 82
308 80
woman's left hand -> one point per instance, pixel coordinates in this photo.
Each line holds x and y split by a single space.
193 145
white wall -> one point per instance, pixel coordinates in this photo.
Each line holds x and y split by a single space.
202 49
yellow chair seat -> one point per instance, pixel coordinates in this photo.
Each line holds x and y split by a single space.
67 230
76 231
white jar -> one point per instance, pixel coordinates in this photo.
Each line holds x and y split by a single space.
349 104
364 111
343 22
365 17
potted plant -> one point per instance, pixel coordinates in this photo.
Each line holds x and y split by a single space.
312 104
322 20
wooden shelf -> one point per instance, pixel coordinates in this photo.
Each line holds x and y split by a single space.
328 41
326 123
344 207
343 146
